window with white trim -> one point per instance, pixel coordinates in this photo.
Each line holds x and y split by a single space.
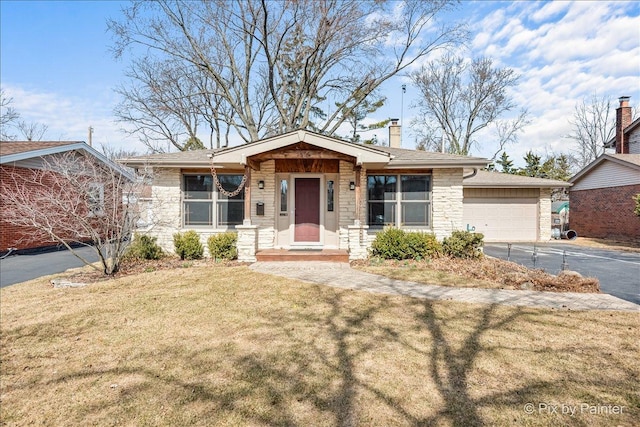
205 206
399 200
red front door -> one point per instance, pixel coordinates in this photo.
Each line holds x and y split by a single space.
307 225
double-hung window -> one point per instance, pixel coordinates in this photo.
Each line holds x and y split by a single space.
399 200
205 205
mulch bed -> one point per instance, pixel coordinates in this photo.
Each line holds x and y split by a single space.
508 275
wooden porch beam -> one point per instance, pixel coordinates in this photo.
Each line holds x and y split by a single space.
305 154
253 164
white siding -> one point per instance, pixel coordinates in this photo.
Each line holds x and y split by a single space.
634 142
608 174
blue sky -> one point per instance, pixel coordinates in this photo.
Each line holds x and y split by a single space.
56 65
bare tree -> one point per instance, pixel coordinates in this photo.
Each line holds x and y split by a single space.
32 131
268 66
8 117
461 98
74 200
593 126
113 153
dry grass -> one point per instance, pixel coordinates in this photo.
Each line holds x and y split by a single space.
627 245
485 272
213 345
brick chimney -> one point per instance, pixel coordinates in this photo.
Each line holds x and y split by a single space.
395 134
623 119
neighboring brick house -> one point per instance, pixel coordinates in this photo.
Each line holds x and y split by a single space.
601 198
18 161
303 190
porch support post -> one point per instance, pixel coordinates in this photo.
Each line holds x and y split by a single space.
358 194
358 242
247 196
247 244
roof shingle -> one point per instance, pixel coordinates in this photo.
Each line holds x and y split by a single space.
14 147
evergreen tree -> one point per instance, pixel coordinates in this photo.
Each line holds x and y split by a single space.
532 166
506 163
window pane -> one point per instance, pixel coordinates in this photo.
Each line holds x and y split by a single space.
415 213
284 188
415 187
198 186
330 196
381 213
381 187
230 212
230 183
197 213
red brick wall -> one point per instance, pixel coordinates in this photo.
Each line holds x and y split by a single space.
13 236
605 212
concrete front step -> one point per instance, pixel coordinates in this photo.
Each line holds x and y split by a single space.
330 255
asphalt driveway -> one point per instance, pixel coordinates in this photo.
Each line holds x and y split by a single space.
20 268
617 271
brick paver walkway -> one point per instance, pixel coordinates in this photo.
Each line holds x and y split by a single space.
341 275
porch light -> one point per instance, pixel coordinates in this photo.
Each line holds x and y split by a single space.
261 185
352 186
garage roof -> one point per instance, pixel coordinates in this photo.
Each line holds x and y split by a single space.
486 179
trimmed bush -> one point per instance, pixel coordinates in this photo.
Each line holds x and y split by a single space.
144 247
223 246
422 245
390 243
463 244
188 245
393 243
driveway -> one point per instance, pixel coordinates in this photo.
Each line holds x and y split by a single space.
617 271
20 268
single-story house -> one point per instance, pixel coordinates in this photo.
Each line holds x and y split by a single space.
602 194
18 162
303 190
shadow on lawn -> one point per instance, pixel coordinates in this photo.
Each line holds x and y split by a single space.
321 372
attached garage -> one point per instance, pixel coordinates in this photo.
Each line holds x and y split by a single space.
508 208
501 219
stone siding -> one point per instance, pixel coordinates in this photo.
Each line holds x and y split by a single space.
446 197
266 229
346 203
544 214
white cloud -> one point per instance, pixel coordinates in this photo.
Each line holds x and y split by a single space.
70 118
580 48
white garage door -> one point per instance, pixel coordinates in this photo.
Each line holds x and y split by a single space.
502 220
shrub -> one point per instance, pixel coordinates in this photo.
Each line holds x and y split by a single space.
463 244
223 246
144 247
390 244
422 245
393 243
188 245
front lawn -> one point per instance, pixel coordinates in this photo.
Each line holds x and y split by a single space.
215 345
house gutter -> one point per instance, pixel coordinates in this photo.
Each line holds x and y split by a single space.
471 175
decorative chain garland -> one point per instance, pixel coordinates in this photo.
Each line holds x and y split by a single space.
219 186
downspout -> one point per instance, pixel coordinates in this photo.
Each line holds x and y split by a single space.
474 173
